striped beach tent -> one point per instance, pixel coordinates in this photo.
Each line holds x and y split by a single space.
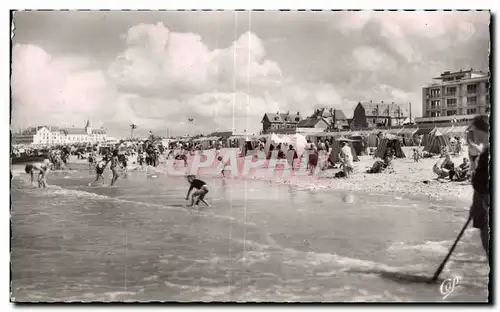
436 142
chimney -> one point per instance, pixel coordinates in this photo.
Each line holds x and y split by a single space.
298 113
370 101
382 102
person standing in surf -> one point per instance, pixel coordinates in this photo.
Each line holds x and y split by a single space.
480 208
43 169
201 190
99 169
115 163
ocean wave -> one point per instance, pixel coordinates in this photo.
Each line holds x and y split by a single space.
56 190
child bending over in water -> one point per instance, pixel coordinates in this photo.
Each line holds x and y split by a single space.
201 190
43 168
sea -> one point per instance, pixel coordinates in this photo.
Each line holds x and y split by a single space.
259 241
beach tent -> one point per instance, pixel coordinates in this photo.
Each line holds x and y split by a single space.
387 141
436 142
372 138
407 135
299 142
357 142
337 146
425 134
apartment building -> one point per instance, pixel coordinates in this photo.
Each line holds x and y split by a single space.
457 93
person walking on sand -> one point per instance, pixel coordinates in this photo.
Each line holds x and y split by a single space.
201 190
480 208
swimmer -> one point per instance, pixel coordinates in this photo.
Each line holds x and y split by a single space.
43 169
115 163
99 169
202 190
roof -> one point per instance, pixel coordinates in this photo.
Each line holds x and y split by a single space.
98 131
395 110
339 115
448 74
310 122
445 118
275 117
75 131
422 131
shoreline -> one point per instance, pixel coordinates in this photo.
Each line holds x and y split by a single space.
406 179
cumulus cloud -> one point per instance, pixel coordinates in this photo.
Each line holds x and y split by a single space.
157 58
46 89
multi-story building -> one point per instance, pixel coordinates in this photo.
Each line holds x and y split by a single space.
457 93
372 115
280 122
48 135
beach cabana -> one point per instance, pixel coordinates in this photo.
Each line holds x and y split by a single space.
424 134
389 141
407 136
357 142
337 146
372 138
436 142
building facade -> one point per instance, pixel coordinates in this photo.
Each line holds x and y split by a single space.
457 93
372 115
49 135
280 122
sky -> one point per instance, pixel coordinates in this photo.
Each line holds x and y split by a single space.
225 69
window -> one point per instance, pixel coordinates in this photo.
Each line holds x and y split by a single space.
472 88
451 113
451 102
435 92
487 99
472 100
451 91
435 104
471 111
487 87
